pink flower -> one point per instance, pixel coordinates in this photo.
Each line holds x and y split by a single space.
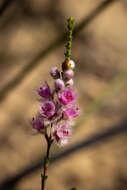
44 91
48 109
67 96
61 134
37 123
71 112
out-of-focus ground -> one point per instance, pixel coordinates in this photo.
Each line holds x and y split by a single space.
100 51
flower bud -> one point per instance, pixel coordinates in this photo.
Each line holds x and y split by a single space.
70 82
44 91
55 73
59 84
68 74
68 65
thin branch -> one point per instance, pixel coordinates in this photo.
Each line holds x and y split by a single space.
46 162
36 61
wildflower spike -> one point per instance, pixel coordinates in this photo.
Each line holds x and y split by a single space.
58 106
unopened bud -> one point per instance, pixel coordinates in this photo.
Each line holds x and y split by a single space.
59 84
55 73
68 65
70 82
68 74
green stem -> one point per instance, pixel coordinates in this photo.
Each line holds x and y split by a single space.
46 163
70 27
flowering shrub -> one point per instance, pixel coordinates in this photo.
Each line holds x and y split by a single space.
58 106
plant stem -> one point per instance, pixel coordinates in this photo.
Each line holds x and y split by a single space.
70 27
46 162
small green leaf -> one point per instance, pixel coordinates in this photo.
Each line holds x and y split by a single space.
44 178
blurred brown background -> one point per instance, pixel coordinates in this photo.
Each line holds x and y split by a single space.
30 44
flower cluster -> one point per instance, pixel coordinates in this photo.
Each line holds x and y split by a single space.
58 106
